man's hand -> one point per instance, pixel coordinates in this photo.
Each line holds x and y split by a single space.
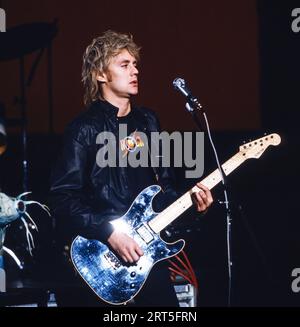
202 199
125 246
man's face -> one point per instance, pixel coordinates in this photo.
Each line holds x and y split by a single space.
121 78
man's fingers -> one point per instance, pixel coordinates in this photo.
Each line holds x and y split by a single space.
206 194
135 257
132 254
125 246
124 258
207 198
197 200
203 199
202 187
128 256
139 252
200 202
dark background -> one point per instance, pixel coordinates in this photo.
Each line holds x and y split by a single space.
241 59
212 44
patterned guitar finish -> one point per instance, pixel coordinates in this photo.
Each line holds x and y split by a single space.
109 277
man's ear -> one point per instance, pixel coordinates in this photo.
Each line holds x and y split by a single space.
101 77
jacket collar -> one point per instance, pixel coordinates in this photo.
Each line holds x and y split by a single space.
109 110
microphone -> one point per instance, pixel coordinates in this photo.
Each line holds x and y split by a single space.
180 85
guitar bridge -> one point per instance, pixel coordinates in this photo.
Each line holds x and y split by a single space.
113 260
145 234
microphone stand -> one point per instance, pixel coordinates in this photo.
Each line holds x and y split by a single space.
193 106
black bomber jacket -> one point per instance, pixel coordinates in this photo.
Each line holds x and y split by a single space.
83 196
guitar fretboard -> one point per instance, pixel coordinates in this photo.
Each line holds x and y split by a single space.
173 211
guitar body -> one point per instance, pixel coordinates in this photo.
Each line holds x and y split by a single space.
113 280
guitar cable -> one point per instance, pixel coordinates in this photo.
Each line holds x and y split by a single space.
190 276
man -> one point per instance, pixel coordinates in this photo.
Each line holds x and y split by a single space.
85 195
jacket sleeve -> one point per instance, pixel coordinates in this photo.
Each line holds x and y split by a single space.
68 190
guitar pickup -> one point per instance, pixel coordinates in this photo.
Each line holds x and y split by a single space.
113 260
145 234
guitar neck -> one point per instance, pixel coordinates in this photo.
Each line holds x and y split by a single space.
172 212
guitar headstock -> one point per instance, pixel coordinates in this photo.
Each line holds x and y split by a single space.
256 148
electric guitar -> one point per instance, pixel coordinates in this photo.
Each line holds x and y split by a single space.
117 282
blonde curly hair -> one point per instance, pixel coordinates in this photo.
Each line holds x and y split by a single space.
97 57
